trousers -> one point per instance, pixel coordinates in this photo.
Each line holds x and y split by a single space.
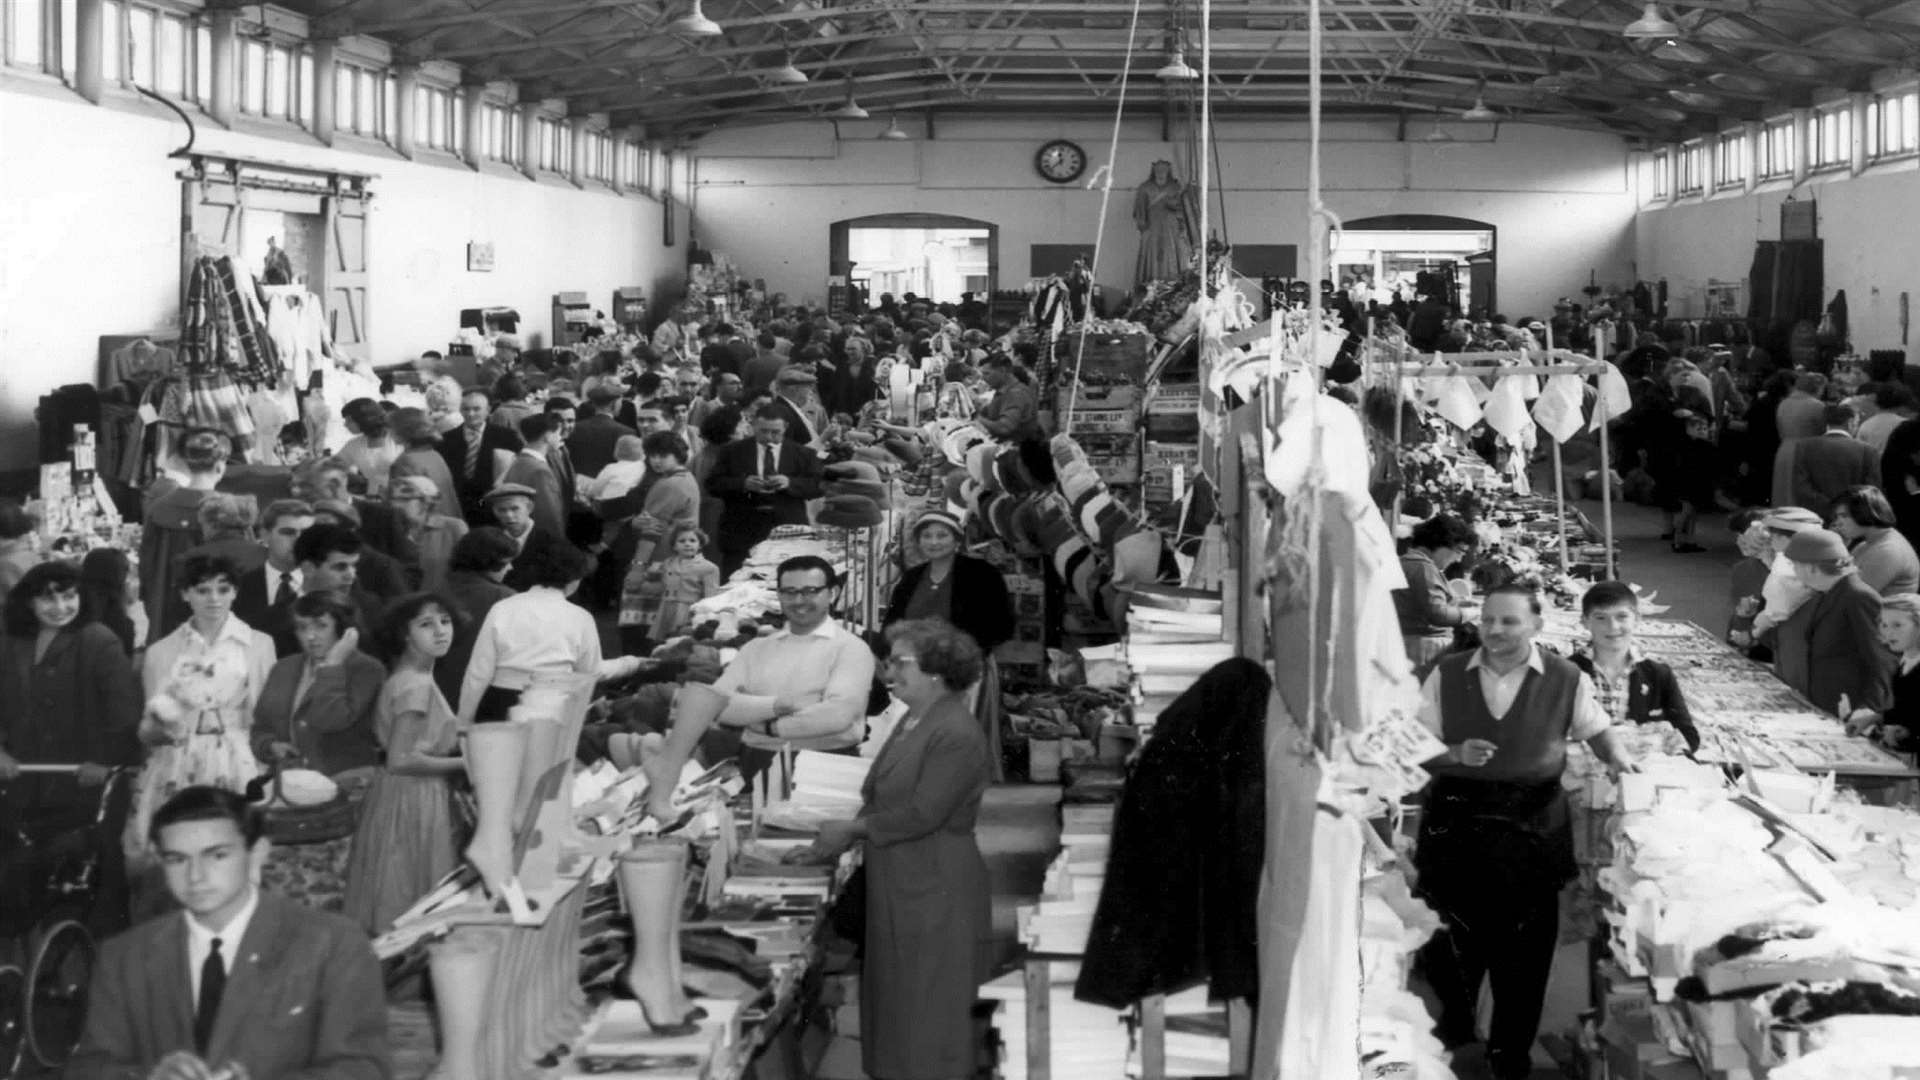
1508 938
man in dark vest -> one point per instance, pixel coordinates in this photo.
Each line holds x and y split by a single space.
1496 840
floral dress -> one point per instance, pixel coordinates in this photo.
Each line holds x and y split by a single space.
209 687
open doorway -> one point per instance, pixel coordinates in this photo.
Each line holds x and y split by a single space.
937 257
933 264
1386 256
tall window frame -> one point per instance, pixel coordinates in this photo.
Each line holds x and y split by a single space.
1893 126
1777 149
1830 138
1730 160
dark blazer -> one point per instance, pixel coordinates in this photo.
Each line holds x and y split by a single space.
453 447
538 540
591 443
333 727
1189 837
549 502
1653 694
1831 646
746 511
304 1001
86 708
1827 465
799 429
981 606
253 605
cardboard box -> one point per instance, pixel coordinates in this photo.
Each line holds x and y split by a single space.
1103 422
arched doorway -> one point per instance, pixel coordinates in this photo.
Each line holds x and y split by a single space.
941 253
1391 248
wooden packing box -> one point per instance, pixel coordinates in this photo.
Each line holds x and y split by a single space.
1108 354
1118 397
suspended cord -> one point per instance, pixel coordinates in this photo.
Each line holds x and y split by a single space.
1226 232
1105 176
1206 137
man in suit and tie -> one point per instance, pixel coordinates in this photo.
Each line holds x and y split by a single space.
475 451
240 985
265 596
532 468
794 395
582 528
762 482
1825 466
512 508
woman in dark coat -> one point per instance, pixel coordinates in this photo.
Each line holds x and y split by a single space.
970 594
929 932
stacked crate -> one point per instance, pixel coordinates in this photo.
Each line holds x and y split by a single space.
1023 658
1172 455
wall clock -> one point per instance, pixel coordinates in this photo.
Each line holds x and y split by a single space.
1060 161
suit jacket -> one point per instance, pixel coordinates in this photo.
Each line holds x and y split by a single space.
1823 467
538 540
1830 646
1653 694
304 1001
800 426
549 502
253 604
746 510
592 442
472 595
79 702
453 447
333 724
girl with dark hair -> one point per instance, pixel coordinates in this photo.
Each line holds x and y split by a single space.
317 707
71 700
372 450
111 590
1864 519
539 632
202 681
408 838
510 402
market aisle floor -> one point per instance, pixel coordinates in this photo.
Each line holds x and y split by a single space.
1694 586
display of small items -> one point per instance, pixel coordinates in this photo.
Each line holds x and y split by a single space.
74 512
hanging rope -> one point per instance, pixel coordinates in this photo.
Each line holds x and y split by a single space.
1105 177
1206 139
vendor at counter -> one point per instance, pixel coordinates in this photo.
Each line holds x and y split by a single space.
1496 838
1429 611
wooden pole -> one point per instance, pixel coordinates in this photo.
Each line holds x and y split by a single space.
1606 479
1559 485
1399 392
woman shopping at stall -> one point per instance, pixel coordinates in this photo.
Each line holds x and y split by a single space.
1829 648
966 592
408 838
672 500
929 928
202 683
538 632
1429 611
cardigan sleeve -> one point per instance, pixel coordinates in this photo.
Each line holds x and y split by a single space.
1429 602
1674 701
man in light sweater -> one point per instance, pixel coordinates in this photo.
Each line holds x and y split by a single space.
804 687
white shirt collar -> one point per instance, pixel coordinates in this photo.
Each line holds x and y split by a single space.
828 628
294 578
200 939
232 629
1534 660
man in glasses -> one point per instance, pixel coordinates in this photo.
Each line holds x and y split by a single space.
804 687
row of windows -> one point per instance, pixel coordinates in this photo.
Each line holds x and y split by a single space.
171 53
1891 130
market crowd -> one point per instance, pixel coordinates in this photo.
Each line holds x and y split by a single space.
351 613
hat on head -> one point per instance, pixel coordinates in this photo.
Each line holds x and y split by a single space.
1791 519
850 512
606 392
795 376
1816 545
938 517
507 491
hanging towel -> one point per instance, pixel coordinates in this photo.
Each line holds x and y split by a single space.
1557 410
1457 402
1614 392
1507 409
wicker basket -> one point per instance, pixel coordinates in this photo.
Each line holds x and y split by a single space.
311 824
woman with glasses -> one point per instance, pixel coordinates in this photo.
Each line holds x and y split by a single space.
929 927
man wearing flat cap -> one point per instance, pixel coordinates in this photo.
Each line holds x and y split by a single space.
761 482
512 507
793 395
1829 648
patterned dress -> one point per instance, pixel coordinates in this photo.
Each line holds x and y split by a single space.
215 683
407 838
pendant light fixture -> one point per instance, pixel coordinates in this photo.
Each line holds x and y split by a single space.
851 110
1176 69
694 23
1651 26
786 74
894 132
1479 112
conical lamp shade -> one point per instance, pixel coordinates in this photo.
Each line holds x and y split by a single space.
893 132
1651 26
849 111
1479 111
1176 69
695 23
786 74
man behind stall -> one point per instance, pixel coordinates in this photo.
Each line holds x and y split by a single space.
239 986
1496 839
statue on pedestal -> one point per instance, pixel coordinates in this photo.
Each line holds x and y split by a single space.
1165 214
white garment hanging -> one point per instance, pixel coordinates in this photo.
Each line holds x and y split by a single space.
1320 1036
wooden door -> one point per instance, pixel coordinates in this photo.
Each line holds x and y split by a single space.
343 289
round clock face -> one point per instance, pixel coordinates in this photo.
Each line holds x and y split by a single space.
1061 161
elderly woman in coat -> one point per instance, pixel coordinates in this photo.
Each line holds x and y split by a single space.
929 926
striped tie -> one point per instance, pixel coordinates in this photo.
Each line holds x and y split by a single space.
473 453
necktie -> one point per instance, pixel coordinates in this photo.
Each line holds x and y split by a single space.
283 595
473 453
213 983
772 466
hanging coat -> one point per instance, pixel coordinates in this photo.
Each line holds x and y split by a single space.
1183 872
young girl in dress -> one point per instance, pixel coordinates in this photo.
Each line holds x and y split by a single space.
688 577
407 838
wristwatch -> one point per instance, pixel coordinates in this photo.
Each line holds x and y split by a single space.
767 728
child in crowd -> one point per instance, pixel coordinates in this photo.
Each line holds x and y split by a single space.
1749 575
1631 688
292 443
1783 592
687 577
615 481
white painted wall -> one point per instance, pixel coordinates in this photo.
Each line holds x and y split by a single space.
1560 198
1866 221
89 242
